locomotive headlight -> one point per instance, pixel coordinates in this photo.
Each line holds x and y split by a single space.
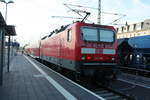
83 57
113 59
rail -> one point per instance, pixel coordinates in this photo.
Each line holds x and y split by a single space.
135 70
117 93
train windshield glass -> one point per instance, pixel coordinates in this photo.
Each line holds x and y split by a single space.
97 34
89 34
106 35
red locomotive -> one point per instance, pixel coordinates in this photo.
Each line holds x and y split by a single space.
87 49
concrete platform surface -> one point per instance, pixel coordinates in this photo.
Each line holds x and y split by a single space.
30 80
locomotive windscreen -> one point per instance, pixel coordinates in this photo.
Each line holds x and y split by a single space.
140 41
97 34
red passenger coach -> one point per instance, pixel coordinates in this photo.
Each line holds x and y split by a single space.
82 48
33 51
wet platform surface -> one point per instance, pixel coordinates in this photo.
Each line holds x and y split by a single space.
30 80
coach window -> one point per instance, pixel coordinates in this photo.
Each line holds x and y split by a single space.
69 35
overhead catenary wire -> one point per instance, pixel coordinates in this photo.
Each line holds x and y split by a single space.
99 13
95 9
66 17
80 11
117 19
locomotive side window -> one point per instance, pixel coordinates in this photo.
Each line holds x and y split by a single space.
69 35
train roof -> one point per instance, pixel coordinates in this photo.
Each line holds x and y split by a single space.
95 25
64 27
56 31
136 42
140 41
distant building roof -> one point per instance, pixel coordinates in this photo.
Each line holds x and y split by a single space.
133 30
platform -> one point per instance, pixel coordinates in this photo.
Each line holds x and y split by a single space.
30 80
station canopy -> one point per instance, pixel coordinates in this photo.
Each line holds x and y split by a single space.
10 30
2 21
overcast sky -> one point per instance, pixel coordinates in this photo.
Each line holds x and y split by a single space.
33 20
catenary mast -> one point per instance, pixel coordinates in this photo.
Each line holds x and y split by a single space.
99 12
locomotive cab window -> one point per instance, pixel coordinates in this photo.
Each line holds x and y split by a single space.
89 34
106 35
69 35
97 34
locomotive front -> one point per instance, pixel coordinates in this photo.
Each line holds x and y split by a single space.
97 50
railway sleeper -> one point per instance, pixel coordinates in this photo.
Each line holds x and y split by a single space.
115 98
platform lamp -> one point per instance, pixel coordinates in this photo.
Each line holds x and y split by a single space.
6 3
9 2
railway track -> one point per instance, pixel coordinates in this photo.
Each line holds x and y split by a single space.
135 71
108 93
111 94
134 79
